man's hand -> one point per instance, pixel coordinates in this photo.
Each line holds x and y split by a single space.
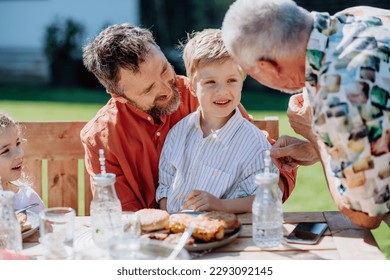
289 152
300 116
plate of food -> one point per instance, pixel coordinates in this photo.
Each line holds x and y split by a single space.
29 223
211 229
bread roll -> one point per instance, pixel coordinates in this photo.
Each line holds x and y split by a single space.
153 219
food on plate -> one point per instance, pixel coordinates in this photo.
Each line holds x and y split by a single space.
158 235
179 222
208 226
174 238
228 220
171 238
25 224
153 219
205 229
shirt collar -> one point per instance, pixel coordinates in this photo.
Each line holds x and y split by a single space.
225 133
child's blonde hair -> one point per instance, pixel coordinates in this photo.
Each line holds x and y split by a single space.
6 121
203 48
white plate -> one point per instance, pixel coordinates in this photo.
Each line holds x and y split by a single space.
33 218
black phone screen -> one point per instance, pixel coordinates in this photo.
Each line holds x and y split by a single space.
307 232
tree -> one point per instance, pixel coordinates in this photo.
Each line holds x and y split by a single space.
62 47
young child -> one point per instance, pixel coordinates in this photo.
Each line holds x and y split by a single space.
210 158
11 163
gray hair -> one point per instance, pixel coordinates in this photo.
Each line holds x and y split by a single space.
267 29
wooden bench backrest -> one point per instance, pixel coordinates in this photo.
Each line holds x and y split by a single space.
54 158
53 152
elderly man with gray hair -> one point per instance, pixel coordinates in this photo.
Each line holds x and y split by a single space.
342 65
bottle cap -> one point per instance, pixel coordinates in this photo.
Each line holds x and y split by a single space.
104 179
267 177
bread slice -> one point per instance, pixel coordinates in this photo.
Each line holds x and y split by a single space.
153 219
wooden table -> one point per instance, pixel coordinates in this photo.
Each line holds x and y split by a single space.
342 240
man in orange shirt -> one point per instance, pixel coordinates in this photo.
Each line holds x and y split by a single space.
148 98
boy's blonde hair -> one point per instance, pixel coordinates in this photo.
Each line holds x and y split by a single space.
203 48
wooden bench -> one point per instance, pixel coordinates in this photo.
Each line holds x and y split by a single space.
54 158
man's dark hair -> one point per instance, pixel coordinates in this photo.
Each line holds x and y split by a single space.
117 46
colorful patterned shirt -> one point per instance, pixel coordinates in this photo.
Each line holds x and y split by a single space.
348 83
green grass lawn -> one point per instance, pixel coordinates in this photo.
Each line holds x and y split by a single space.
311 192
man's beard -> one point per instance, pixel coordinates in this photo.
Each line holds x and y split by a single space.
169 107
158 110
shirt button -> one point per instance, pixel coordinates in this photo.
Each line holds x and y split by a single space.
158 134
149 118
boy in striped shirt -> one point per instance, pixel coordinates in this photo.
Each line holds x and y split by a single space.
210 158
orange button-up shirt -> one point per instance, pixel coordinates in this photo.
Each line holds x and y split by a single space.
132 144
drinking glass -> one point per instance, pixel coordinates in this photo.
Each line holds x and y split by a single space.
128 245
57 231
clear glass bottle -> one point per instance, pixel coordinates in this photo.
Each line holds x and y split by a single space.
106 210
267 212
10 232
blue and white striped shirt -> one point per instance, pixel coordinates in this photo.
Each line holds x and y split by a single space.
224 163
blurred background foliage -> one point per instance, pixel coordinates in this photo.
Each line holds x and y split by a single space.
170 21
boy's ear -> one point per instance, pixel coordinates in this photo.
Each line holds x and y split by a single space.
270 67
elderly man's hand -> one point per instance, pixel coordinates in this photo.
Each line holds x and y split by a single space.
300 116
289 152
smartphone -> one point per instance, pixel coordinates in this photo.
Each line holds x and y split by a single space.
307 233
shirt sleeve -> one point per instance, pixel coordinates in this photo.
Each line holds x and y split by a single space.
248 186
123 188
27 196
289 179
166 169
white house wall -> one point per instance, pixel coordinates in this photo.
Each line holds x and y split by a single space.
23 24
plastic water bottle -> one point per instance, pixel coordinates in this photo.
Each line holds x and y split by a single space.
106 209
267 212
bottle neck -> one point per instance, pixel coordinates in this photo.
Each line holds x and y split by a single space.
105 192
268 191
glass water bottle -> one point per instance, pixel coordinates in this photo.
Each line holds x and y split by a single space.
10 231
106 209
267 212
